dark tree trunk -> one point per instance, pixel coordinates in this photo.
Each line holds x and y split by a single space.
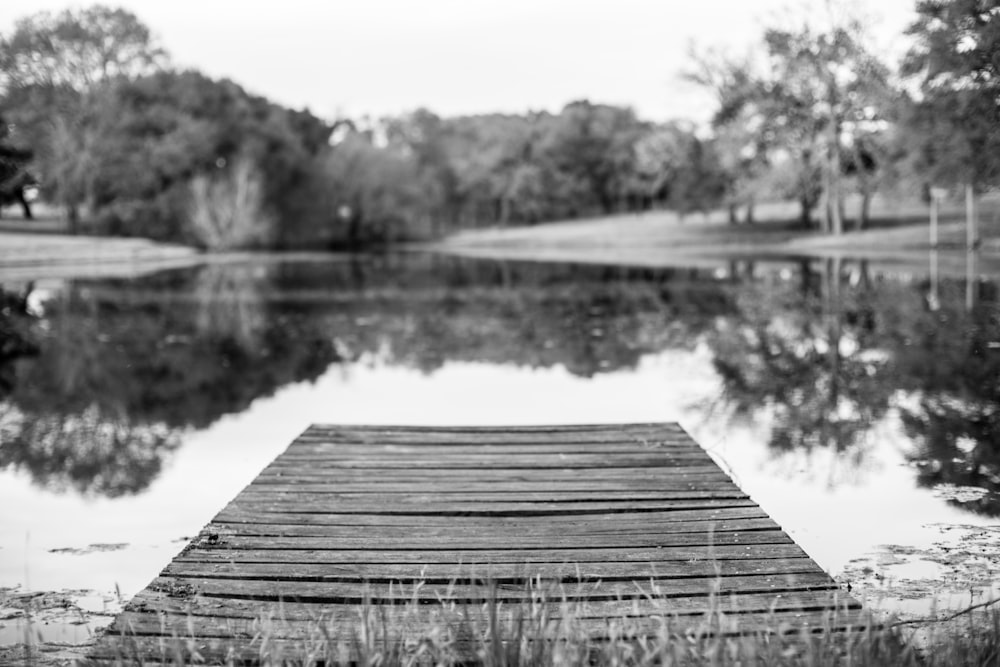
866 276
25 206
607 204
354 228
864 215
73 214
749 219
805 216
805 277
505 211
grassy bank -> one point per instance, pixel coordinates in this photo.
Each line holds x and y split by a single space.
36 255
899 236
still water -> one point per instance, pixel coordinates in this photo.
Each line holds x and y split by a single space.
860 409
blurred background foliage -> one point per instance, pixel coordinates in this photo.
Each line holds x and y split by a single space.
96 120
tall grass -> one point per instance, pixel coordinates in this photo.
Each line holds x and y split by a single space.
540 630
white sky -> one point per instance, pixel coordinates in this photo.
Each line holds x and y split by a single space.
465 56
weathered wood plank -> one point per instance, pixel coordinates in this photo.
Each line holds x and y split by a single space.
490 543
223 553
611 433
468 448
637 521
564 508
499 459
476 489
338 592
493 475
447 572
469 500
509 508
496 531
152 603
491 431
475 492
292 619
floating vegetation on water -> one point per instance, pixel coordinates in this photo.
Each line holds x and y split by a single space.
919 582
960 494
90 549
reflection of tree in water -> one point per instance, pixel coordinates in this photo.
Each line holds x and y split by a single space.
587 329
143 360
425 312
123 368
805 355
958 445
229 302
89 452
823 358
828 356
949 360
16 339
64 436
152 353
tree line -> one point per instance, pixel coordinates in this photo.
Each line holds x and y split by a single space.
96 120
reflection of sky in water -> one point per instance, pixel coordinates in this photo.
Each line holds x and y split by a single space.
535 348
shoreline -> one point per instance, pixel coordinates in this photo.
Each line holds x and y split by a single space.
655 240
25 256
659 240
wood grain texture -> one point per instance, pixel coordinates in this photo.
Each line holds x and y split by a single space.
628 524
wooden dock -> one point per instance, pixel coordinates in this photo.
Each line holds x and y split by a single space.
405 528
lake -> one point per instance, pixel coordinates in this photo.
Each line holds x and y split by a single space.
860 407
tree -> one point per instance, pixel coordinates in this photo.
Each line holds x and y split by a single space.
742 141
868 100
49 65
379 193
674 166
120 141
808 111
868 163
500 168
501 178
592 144
952 121
426 137
77 49
830 85
14 175
657 158
134 148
